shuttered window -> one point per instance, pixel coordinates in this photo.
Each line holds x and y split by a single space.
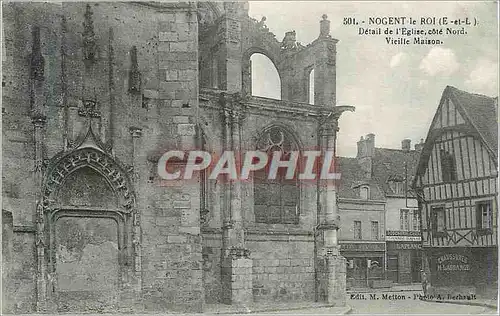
484 215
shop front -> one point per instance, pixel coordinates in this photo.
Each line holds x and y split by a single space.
365 263
463 270
404 257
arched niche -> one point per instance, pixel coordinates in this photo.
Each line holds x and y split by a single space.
87 225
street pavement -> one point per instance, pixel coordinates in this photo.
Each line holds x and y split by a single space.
366 303
407 302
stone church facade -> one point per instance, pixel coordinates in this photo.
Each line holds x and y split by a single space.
94 94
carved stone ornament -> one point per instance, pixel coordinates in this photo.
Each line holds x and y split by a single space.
89 152
276 138
37 60
38 119
89 109
134 82
233 107
204 216
239 253
331 53
89 38
98 161
208 13
289 41
324 26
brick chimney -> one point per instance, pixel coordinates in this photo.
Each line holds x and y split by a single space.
406 144
366 146
419 146
366 149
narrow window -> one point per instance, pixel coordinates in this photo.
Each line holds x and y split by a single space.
448 166
357 230
364 193
438 219
416 220
399 188
215 73
484 215
404 220
311 86
375 230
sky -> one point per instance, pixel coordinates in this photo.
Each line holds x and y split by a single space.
395 88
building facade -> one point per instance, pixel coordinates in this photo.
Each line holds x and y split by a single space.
456 181
94 94
403 241
378 236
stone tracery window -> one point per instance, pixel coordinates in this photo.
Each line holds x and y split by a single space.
276 200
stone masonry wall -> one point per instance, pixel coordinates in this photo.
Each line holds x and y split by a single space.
161 108
17 268
283 270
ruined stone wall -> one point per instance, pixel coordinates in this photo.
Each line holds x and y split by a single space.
139 64
282 254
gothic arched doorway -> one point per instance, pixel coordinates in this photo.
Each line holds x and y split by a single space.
88 234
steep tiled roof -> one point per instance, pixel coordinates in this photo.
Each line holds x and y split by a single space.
352 177
390 163
479 111
482 113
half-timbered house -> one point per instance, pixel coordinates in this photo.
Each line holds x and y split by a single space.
456 183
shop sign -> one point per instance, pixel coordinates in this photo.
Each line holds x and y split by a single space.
362 247
403 238
451 262
404 246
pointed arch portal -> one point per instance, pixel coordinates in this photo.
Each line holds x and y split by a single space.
87 233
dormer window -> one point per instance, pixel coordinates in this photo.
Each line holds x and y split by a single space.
397 187
397 184
364 192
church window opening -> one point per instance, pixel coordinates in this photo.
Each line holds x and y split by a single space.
265 77
276 201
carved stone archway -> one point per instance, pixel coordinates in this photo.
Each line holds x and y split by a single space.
90 155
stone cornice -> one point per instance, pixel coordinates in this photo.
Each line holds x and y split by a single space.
363 202
283 106
24 229
165 5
